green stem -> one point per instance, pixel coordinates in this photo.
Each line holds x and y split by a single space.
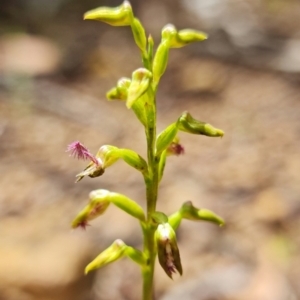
151 193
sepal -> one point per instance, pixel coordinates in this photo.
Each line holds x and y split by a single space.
116 16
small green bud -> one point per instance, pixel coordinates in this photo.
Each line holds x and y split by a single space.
187 36
189 212
139 34
160 61
167 249
115 16
120 91
165 138
141 79
188 124
114 252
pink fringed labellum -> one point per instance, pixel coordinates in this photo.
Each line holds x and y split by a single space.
79 151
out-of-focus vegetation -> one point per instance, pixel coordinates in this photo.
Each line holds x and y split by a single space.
54 72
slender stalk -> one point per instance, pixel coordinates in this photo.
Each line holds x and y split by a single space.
151 195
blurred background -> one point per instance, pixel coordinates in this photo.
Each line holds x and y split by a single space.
54 72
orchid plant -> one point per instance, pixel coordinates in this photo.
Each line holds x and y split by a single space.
139 95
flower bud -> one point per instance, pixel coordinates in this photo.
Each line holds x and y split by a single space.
189 212
187 36
95 208
140 82
167 249
168 33
120 91
115 16
139 34
165 138
188 124
160 61
114 252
